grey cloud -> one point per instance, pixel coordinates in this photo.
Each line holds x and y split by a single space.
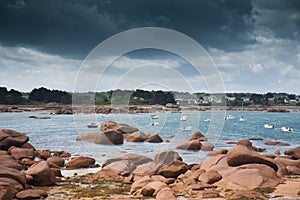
279 17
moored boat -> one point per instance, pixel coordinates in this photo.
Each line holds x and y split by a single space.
92 125
269 126
286 129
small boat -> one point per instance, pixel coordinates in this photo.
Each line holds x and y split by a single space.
92 125
187 128
154 116
229 117
183 118
242 119
207 120
154 123
286 129
269 126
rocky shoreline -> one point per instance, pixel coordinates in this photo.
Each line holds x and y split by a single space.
236 173
68 109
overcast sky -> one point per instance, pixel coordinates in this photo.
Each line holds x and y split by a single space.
254 43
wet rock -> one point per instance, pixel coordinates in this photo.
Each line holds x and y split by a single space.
154 139
197 135
10 138
109 137
277 152
295 152
31 194
217 152
57 161
210 177
277 143
123 128
246 143
194 145
80 162
240 155
207 146
42 174
65 155
136 137
87 137
19 153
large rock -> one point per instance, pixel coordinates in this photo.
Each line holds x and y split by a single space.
44 154
174 169
207 146
41 173
19 153
57 161
210 177
295 152
217 152
109 137
6 172
137 136
140 183
166 157
133 158
154 186
194 145
287 162
122 167
106 174
240 155
15 185
80 162
248 177
293 170
154 139
10 138
198 135
149 168
5 191
31 194
87 137
166 193
124 128
9 161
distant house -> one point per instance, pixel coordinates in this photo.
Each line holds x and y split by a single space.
230 98
286 100
293 101
246 99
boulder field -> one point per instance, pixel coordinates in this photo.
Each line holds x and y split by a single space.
22 167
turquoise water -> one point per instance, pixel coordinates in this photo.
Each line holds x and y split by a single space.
60 132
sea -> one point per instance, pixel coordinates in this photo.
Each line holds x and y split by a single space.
60 131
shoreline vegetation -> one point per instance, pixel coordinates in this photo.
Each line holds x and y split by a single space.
239 172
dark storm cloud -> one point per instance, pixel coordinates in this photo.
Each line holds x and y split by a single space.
73 28
280 17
